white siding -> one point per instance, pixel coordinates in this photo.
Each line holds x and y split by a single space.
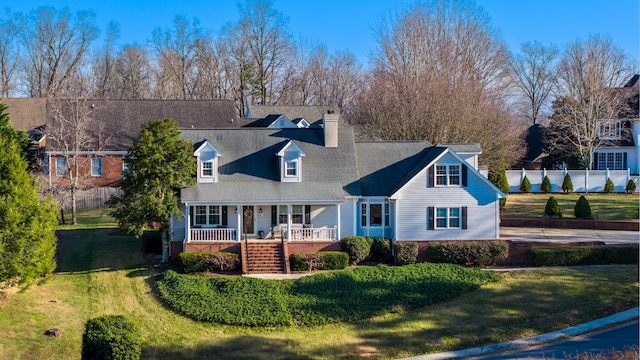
346 218
178 225
415 197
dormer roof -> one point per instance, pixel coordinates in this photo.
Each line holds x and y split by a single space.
291 146
203 145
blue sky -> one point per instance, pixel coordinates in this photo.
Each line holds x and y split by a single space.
346 24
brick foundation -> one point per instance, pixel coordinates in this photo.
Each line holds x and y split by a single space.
296 247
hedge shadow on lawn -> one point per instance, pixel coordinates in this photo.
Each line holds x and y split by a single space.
341 296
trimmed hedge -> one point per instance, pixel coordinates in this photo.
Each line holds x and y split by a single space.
330 297
323 260
469 253
192 262
111 337
552 208
631 186
567 184
406 253
357 247
582 210
608 186
380 249
596 255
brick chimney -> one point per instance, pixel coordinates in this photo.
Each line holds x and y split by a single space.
330 128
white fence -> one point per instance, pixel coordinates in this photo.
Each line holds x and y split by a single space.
587 181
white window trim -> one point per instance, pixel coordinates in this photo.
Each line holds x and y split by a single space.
295 167
365 213
610 130
62 173
95 174
448 175
202 178
284 213
207 214
447 218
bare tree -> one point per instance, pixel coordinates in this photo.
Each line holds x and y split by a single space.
132 72
588 72
55 42
177 52
10 28
103 64
533 73
239 71
73 132
440 74
264 30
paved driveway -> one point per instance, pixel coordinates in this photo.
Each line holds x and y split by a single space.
569 235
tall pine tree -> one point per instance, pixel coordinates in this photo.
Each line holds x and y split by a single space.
27 223
158 164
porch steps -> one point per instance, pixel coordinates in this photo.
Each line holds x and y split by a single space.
265 258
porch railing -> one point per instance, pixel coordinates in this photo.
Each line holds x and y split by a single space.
213 235
323 233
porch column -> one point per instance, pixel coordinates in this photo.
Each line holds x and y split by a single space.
338 237
355 216
239 224
288 222
187 229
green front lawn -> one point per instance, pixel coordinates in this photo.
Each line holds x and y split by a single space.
621 207
101 273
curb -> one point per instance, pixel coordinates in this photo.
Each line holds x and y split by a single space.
534 340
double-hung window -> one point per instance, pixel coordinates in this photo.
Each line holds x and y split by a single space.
297 214
448 175
207 215
96 167
374 214
207 168
291 168
448 218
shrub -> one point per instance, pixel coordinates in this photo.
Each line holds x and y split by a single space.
406 253
525 185
469 253
596 255
608 186
324 260
380 249
631 186
498 177
356 247
111 337
192 262
151 242
222 261
582 210
552 208
545 187
567 184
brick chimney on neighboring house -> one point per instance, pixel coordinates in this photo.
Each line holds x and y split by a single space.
330 128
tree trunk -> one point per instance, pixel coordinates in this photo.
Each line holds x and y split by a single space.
164 233
73 206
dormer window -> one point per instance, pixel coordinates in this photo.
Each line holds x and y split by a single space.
447 175
291 168
610 130
291 162
207 156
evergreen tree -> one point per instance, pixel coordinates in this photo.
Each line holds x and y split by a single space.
567 184
27 224
608 186
159 164
498 177
582 210
525 186
545 187
552 208
631 186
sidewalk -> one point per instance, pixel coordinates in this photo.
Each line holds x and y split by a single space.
534 340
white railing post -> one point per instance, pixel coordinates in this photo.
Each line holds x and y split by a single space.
586 180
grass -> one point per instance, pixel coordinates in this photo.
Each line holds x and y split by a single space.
622 207
103 273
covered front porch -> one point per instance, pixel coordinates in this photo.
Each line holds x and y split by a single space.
261 222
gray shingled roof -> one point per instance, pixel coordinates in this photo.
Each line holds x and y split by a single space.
122 118
385 166
249 167
463 148
311 113
26 114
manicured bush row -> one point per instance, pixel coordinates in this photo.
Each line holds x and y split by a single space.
597 255
111 337
405 253
191 262
323 260
380 249
338 296
469 253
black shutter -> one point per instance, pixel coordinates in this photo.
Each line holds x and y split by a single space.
191 215
430 178
307 214
595 161
464 217
274 215
431 218
624 161
464 175
225 217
